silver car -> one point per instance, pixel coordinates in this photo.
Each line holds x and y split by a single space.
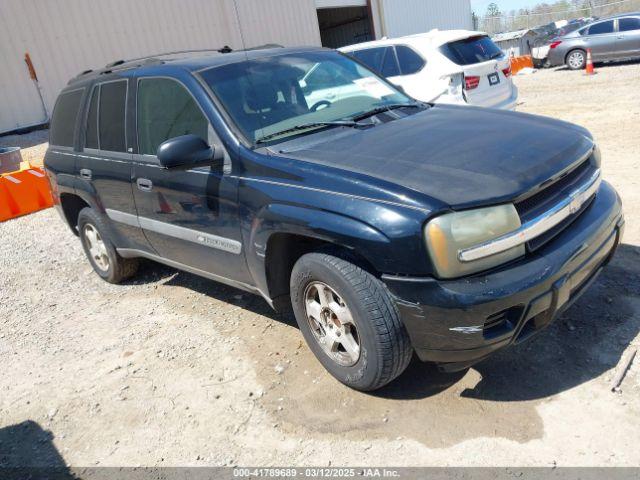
610 39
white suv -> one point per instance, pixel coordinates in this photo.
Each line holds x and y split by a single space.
453 66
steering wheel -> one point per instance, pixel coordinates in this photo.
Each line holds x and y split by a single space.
318 105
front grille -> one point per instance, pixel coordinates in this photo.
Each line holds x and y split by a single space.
552 194
545 199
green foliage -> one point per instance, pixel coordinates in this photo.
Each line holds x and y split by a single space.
543 13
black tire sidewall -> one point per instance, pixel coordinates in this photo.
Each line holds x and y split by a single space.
88 216
365 372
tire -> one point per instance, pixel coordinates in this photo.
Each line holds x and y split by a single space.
360 308
105 261
576 59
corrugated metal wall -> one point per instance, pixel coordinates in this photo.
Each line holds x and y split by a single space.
406 17
65 37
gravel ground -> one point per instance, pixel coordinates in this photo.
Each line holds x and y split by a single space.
171 369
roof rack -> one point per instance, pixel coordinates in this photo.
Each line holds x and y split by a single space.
110 67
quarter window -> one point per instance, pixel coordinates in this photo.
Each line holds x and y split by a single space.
167 110
410 62
628 24
111 113
600 28
63 120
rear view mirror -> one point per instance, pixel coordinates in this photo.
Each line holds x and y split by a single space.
186 151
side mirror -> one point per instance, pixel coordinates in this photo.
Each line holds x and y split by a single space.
186 151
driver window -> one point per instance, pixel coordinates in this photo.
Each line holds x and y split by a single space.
167 110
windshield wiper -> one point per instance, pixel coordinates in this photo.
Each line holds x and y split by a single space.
385 108
307 126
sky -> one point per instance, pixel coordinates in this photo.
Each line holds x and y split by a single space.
480 6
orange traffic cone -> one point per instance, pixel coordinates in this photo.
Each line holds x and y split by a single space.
589 70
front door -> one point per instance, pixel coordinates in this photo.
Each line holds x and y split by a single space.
189 216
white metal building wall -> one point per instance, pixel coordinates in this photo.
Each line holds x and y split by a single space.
65 37
396 18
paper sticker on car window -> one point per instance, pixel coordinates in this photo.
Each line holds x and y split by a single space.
374 87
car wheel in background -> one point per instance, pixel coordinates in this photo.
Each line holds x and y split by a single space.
349 321
576 59
100 250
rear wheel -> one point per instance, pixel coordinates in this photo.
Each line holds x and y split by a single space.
100 250
576 59
349 321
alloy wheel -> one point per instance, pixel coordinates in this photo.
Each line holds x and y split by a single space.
332 324
97 248
576 60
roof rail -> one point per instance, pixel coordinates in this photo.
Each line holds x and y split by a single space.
226 49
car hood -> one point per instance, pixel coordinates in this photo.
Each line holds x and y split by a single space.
462 156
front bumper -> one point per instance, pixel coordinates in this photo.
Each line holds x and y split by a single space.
459 322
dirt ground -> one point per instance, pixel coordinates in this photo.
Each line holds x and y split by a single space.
172 369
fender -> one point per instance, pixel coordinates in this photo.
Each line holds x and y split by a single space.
342 230
87 192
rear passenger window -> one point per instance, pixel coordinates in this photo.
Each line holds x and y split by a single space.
166 110
111 112
63 120
410 62
91 135
599 28
628 24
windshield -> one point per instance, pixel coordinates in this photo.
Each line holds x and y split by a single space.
265 96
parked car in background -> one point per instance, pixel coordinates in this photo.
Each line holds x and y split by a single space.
610 39
548 34
453 66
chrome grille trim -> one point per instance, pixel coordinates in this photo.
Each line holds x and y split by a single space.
536 226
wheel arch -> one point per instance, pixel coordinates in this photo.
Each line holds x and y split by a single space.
71 205
281 234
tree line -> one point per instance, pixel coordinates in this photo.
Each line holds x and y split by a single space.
494 20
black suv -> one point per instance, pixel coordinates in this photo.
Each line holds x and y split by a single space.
388 225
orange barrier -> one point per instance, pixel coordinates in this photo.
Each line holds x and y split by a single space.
23 192
518 63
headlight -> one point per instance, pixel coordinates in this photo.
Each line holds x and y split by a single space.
448 234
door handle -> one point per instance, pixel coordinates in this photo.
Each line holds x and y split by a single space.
144 184
85 173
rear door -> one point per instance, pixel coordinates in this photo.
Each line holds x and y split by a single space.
190 217
411 75
104 164
628 39
601 39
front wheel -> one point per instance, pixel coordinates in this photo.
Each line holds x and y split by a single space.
576 60
349 321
